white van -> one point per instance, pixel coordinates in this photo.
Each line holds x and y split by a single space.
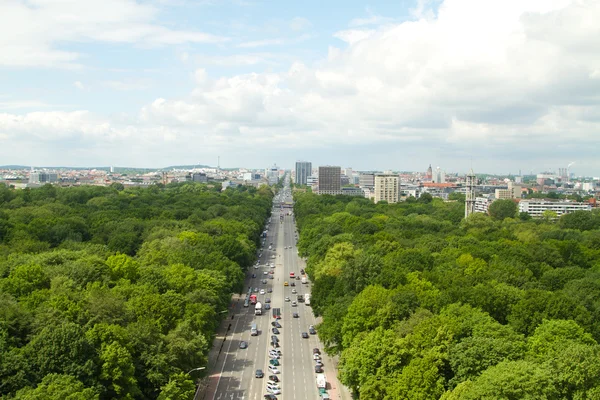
254 330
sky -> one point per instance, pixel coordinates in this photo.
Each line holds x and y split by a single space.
501 86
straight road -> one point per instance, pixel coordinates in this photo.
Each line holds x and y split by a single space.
233 374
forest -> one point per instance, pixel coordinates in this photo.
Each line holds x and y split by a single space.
114 293
420 303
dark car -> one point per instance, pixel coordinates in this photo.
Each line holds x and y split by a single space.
276 324
274 362
269 290
267 300
267 306
312 331
275 331
318 369
295 315
264 281
316 350
243 345
270 397
273 378
302 271
304 335
259 373
254 275
274 338
292 283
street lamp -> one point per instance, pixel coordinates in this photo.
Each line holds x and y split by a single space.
195 369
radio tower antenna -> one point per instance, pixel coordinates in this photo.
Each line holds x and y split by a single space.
218 163
470 193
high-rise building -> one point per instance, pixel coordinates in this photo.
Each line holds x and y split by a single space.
273 175
199 177
387 187
330 180
303 171
42 177
439 176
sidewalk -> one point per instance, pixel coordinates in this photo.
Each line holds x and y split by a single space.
207 392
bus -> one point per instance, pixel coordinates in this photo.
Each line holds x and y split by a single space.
252 299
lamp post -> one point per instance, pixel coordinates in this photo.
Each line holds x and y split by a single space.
195 369
197 394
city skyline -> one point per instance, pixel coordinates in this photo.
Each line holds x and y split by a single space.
500 86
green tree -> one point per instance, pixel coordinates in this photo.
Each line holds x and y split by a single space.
58 387
179 387
501 209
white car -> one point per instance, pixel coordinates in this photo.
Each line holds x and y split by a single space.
274 370
262 291
256 266
294 291
275 353
266 273
287 299
294 304
316 357
273 390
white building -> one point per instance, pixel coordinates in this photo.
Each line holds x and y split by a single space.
482 203
387 187
272 175
439 176
536 207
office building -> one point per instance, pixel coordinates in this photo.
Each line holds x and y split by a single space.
42 178
303 171
536 208
387 187
272 175
199 177
366 180
482 203
330 180
439 176
513 192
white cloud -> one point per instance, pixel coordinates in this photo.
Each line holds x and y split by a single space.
79 85
498 80
127 85
33 32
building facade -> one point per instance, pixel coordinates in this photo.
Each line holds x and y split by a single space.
303 171
366 180
330 180
387 187
536 208
513 192
273 175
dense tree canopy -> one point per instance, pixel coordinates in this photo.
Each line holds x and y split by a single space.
114 293
421 304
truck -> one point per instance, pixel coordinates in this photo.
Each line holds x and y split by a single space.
307 299
258 308
304 280
252 299
321 381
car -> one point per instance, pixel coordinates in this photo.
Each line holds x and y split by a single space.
316 356
274 370
293 284
275 331
274 362
276 324
265 272
295 315
274 338
259 373
273 390
312 331
269 290
294 303
302 271
243 344
287 298
271 272
268 300
267 306
255 290
294 291
273 378
286 283
273 383
319 362
275 353
318 369
262 291
304 335
253 275
264 282
270 397
316 350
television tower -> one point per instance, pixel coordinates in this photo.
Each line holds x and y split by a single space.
470 198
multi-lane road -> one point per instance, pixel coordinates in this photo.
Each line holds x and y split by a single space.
235 368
